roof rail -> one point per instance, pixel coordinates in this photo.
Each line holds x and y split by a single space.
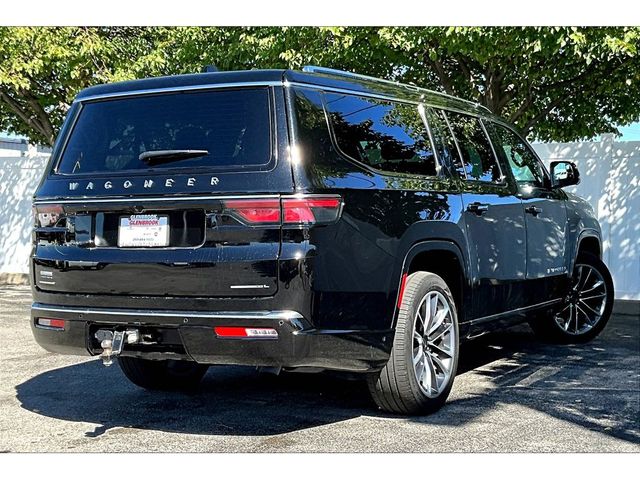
343 73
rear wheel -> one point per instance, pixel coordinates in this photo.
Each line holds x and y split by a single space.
420 372
163 374
586 308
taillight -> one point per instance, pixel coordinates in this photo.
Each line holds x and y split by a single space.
308 210
47 215
298 210
254 211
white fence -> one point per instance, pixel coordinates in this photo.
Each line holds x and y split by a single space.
21 167
610 173
610 181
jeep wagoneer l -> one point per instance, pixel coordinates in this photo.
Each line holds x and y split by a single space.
314 220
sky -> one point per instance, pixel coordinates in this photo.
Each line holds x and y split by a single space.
630 133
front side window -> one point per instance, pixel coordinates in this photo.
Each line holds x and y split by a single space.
232 127
480 163
523 163
389 136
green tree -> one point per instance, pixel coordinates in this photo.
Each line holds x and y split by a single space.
554 83
42 69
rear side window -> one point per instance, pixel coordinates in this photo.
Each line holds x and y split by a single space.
234 126
479 161
384 135
444 142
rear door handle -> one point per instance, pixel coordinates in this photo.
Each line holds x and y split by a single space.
533 210
477 208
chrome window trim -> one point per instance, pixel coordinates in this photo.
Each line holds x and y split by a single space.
408 86
347 91
391 98
184 88
250 315
423 115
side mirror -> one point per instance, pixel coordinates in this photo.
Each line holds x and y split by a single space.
564 174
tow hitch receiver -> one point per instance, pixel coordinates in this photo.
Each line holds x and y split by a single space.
112 343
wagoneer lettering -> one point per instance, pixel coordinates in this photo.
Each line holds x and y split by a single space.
314 220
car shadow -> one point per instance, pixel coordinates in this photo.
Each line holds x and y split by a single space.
510 367
230 400
593 385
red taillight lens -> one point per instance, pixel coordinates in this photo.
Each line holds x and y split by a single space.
47 215
299 210
310 210
257 211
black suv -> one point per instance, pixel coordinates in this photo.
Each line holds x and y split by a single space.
314 220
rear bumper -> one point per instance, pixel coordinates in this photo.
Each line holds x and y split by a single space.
191 335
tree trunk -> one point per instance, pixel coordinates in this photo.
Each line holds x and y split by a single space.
32 113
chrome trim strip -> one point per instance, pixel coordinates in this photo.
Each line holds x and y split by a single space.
513 312
254 315
415 88
392 98
179 199
151 199
184 88
323 88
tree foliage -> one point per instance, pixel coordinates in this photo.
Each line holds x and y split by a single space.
554 83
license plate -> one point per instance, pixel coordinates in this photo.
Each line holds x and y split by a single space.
144 231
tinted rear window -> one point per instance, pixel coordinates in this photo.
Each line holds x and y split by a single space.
479 162
233 125
385 135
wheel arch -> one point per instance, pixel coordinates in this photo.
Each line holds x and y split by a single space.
444 258
589 241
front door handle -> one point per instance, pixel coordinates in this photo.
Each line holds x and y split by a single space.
533 210
477 208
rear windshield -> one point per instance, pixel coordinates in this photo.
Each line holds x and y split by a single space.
232 125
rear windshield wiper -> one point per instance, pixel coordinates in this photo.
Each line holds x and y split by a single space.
154 157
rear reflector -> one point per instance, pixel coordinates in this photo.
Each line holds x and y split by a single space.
403 283
246 332
51 323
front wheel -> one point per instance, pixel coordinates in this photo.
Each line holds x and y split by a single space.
586 308
419 375
163 374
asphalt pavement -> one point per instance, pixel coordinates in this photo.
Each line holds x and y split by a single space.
513 393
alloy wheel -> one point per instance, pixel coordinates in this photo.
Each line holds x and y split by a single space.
586 302
434 343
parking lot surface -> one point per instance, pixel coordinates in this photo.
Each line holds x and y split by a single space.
512 394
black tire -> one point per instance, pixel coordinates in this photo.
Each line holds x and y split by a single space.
547 328
173 375
396 387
